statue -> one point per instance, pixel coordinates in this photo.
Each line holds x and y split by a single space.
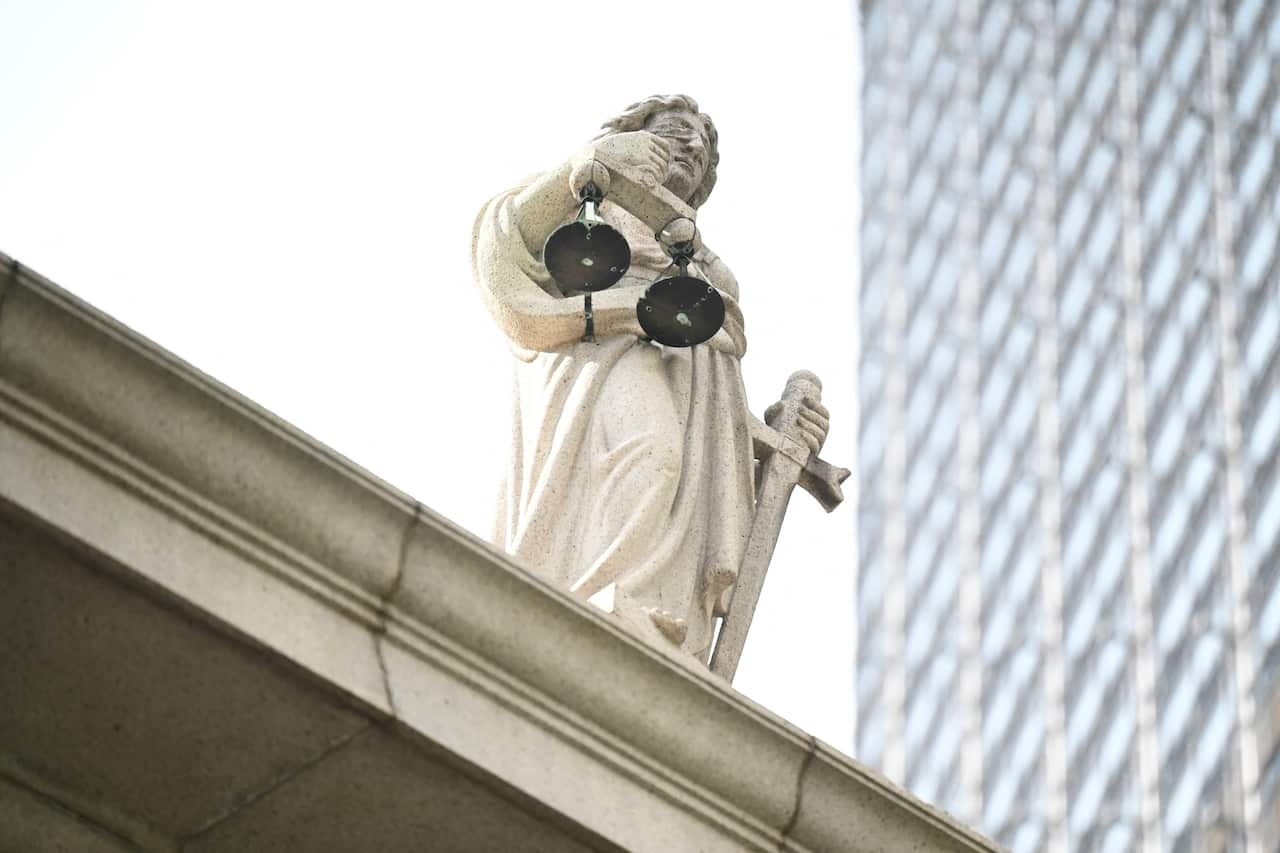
632 477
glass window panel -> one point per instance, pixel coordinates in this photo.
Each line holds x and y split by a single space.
1266 525
1186 55
1245 17
1101 82
1259 252
1018 117
1257 166
1266 429
1160 111
1262 344
1157 30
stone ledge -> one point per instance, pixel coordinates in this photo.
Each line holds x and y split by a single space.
295 549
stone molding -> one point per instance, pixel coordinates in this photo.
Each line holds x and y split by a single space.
304 554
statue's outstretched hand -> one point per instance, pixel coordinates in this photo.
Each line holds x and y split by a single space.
812 419
639 151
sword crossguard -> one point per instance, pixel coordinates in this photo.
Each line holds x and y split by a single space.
822 480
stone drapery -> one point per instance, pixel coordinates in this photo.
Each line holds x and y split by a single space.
630 474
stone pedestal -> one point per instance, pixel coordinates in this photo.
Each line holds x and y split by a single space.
218 635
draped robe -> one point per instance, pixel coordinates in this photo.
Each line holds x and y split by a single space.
630 480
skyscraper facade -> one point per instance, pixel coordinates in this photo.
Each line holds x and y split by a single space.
1069 515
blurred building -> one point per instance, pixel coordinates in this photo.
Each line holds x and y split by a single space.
1069 579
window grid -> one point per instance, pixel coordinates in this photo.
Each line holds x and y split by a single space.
918 401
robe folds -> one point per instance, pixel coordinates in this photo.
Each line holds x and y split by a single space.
630 479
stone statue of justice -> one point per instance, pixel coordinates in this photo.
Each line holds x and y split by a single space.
638 477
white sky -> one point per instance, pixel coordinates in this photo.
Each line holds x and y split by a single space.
283 193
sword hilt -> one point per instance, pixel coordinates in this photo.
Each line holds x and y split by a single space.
782 435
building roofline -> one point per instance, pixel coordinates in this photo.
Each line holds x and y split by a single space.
406 606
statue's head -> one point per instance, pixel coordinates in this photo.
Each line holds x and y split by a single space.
691 134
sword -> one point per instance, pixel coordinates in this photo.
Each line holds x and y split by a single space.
787 462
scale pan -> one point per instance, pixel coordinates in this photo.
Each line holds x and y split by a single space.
582 257
680 311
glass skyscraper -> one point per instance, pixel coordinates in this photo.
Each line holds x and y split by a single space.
1069 520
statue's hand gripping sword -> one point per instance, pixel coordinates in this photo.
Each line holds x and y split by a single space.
787 462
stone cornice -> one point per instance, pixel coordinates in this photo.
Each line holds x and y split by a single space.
423 623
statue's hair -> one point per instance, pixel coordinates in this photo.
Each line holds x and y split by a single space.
637 115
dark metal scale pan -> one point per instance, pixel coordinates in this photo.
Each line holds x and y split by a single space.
585 256
681 311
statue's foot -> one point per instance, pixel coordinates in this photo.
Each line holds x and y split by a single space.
673 628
